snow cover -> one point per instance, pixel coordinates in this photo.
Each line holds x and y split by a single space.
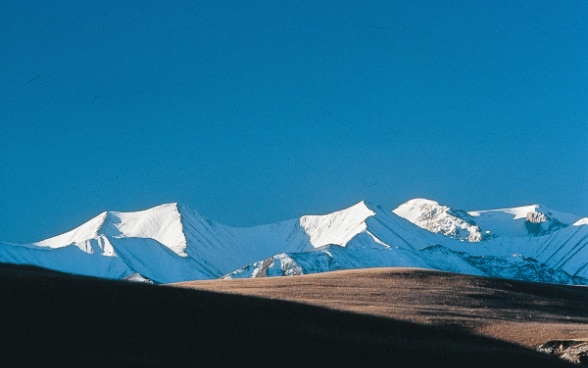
434 217
161 223
475 226
83 232
512 221
338 227
172 242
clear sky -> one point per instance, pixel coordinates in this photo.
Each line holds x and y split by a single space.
258 111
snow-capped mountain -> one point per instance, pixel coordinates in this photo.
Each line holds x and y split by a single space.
171 243
508 250
475 226
166 243
441 219
533 220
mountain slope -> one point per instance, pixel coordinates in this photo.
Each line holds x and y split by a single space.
441 219
475 226
172 242
534 220
391 241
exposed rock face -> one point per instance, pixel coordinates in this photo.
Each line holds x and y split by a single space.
538 223
441 219
533 222
575 351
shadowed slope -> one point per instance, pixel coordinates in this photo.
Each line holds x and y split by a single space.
50 319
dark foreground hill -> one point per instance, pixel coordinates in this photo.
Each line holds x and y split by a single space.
51 319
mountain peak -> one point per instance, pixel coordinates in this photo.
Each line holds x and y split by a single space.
338 227
171 242
437 218
88 230
162 223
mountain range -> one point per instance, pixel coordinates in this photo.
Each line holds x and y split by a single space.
172 243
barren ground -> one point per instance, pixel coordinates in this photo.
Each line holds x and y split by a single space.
49 319
524 313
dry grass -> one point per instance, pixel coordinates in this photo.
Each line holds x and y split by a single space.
524 313
56 320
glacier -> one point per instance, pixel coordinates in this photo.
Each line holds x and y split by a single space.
172 243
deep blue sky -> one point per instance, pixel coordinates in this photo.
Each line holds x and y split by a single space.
256 111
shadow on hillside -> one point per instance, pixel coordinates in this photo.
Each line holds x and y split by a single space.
556 303
52 319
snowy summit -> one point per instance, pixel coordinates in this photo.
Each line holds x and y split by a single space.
172 242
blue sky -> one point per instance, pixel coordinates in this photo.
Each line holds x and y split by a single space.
256 111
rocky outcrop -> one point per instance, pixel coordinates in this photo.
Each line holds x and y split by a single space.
538 223
575 351
441 219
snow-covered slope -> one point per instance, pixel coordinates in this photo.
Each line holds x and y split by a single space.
475 226
531 220
510 250
437 218
166 243
161 223
172 242
336 228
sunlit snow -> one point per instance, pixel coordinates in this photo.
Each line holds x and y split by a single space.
172 242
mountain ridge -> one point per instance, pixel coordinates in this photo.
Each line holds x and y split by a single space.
173 242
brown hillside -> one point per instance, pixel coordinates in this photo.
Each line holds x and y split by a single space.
54 320
525 313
